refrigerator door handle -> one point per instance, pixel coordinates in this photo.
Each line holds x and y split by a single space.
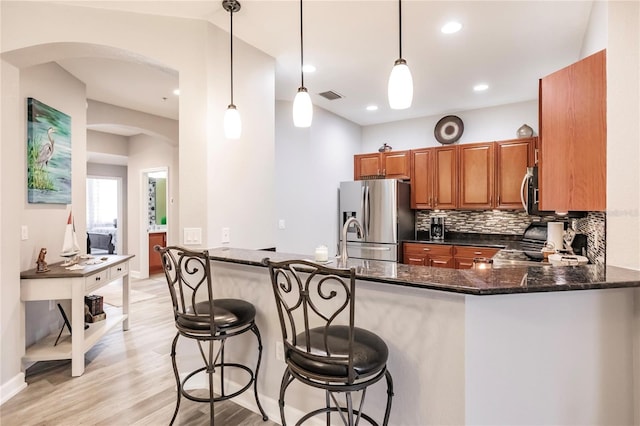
363 206
367 216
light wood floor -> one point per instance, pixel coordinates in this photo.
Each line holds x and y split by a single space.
128 379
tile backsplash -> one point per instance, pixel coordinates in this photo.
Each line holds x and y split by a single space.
507 222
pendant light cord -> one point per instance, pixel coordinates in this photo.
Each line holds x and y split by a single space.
301 49
231 43
400 28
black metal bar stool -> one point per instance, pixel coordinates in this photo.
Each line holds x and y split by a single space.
200 317
313 303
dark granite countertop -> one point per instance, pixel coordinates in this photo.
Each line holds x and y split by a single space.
499 280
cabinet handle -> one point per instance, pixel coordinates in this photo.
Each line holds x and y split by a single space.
436 201
119 269
498 200
426 249
535 156
430 201
477 252
412 259
384 172
97 278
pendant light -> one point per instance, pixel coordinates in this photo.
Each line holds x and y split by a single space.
400 89
302 107
232 122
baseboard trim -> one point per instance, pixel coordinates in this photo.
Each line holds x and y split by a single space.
12 387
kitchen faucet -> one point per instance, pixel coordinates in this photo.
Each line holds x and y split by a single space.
343 240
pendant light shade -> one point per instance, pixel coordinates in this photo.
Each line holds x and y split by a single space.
302 109
400 89
232 122
302 106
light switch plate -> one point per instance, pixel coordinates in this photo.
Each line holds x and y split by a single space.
24 232
192 236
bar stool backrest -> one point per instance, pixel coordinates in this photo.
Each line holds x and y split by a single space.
311 300
188 276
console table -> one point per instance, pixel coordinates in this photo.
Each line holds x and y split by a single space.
59 283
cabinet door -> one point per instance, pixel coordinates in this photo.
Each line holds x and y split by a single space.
421 179
155 262
445 177
512 159
573 137
396 165
366 165
476 176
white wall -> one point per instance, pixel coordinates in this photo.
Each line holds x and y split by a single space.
481 125
310 164
595 38
149 152
239 182
46 222
107 143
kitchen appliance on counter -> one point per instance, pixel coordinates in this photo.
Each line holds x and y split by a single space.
383 209
437 228
536 235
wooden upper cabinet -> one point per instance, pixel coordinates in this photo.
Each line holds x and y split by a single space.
445 175
475 176
390 165
365 165
396 164
422 178
512 159
573 137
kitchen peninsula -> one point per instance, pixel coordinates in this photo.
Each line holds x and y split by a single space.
510 345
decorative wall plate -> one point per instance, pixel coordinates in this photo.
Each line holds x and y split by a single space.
448 130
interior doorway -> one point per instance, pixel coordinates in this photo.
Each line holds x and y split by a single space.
104 215
155 220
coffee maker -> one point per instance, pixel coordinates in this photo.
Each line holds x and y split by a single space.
437 228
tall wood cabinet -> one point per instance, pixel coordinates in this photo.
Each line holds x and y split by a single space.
512 159
475 176
573 137
434 178
389 165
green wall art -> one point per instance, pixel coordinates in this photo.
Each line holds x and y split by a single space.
48 154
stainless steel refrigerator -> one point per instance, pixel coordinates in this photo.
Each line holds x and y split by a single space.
383 208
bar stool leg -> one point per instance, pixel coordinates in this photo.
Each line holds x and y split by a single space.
210 371
389 397
256 331
175 372
287 378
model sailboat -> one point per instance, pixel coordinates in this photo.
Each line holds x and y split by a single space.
70 246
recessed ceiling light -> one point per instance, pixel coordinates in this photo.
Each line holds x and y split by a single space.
372 107
480 87
308 68
451 27
176 92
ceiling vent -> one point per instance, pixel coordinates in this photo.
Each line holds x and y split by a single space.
331 95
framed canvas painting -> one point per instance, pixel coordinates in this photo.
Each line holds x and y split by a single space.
48 154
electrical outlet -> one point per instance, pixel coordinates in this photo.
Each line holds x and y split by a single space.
24 232
226 238
281 224
52 305
279 351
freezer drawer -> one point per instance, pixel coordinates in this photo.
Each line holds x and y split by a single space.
371 251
